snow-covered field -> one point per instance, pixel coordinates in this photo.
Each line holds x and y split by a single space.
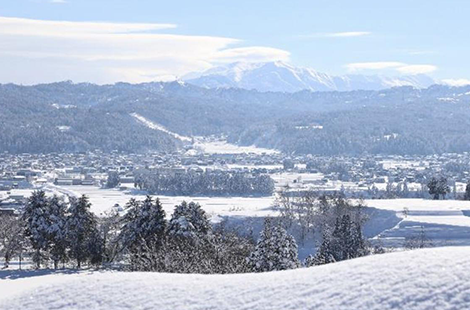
417 280
104 199
443 221
223 147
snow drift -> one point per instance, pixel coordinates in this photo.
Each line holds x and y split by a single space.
424 279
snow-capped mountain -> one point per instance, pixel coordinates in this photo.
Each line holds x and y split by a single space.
279 76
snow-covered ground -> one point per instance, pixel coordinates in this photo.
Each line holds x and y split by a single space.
203 144
104 199
413 280
208 146
443 221
155 126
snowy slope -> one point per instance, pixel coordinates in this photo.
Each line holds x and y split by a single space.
155 126
424 279
279 76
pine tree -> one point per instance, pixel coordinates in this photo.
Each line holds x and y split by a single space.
189 221
36 219
275 250
442 187
57 230
433 188
113 179
405 190
325 254
345 242
82 231
152 219
143 222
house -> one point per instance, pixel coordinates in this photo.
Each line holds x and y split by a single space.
63 181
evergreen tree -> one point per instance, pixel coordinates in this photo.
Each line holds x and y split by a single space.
345 242
82 231
467 191
325 254
433 188
275 250
130 231
438 187
113 179
57 230
11 237
189 220
443 188
405 190
36 219
152 220
143 222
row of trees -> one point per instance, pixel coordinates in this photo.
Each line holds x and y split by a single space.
332 220
61 231
221 183
143 239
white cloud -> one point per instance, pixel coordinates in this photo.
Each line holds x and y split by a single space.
373 65
400 67
346 34
456 82
33 27
417 69
57 1
251 54
33 51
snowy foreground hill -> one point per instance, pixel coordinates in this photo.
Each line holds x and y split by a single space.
436 278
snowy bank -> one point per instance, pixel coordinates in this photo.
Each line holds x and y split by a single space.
424 279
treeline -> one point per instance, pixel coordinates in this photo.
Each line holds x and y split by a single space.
67 234
67 117
208 183
383 126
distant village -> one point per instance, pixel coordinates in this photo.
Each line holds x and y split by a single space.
371 176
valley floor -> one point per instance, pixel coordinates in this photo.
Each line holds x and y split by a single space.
445 222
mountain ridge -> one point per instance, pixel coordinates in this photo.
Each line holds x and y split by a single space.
282 77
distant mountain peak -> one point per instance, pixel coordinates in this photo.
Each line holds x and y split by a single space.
284 77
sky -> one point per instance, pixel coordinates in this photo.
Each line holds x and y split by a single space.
106 41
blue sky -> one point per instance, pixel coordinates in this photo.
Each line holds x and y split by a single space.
171 38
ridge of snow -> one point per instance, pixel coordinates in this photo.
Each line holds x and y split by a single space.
426 279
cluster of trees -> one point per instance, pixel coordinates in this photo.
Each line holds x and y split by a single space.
51 230
186 243
344 242
221 183
332 219
438 187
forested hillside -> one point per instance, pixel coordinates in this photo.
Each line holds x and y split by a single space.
78 117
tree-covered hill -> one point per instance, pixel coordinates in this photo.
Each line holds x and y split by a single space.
67 117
